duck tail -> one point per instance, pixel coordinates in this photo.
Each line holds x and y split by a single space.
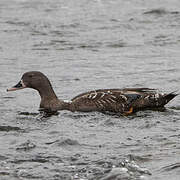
170 96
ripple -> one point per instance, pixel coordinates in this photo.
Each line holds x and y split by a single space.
132 166
22 173
148 125
40 49
28 113
117 173
171 167
19 23
162 40
64 142
2 158
28 145
156 11
41 115
160 11
175 107
8 97
118 44
38 33
143 158
10 128
39 159
78 115
109 122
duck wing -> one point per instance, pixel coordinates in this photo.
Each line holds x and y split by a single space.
151 98
140 90
123 101
133 90
113 100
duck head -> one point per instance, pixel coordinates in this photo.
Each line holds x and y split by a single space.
38 81
33 79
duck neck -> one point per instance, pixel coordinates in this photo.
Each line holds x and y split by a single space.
47 94
49 100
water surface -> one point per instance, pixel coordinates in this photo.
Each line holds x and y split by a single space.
83 45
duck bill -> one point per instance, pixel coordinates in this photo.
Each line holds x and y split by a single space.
18 86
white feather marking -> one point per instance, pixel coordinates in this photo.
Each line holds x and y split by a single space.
89 96
103 94
103 101
67 101
113 96
156 96
23 85
124 97
130 92
92 95
112 100
100 104
109 92
108 101
95 94
146 97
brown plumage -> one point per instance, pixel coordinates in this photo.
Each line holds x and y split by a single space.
123 101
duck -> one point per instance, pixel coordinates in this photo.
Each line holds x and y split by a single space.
122 101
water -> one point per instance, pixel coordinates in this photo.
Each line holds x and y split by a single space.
84 45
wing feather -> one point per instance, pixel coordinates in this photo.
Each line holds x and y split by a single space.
107 100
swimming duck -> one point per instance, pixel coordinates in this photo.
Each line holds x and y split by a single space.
122 101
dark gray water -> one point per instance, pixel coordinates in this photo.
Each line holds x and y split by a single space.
83 45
